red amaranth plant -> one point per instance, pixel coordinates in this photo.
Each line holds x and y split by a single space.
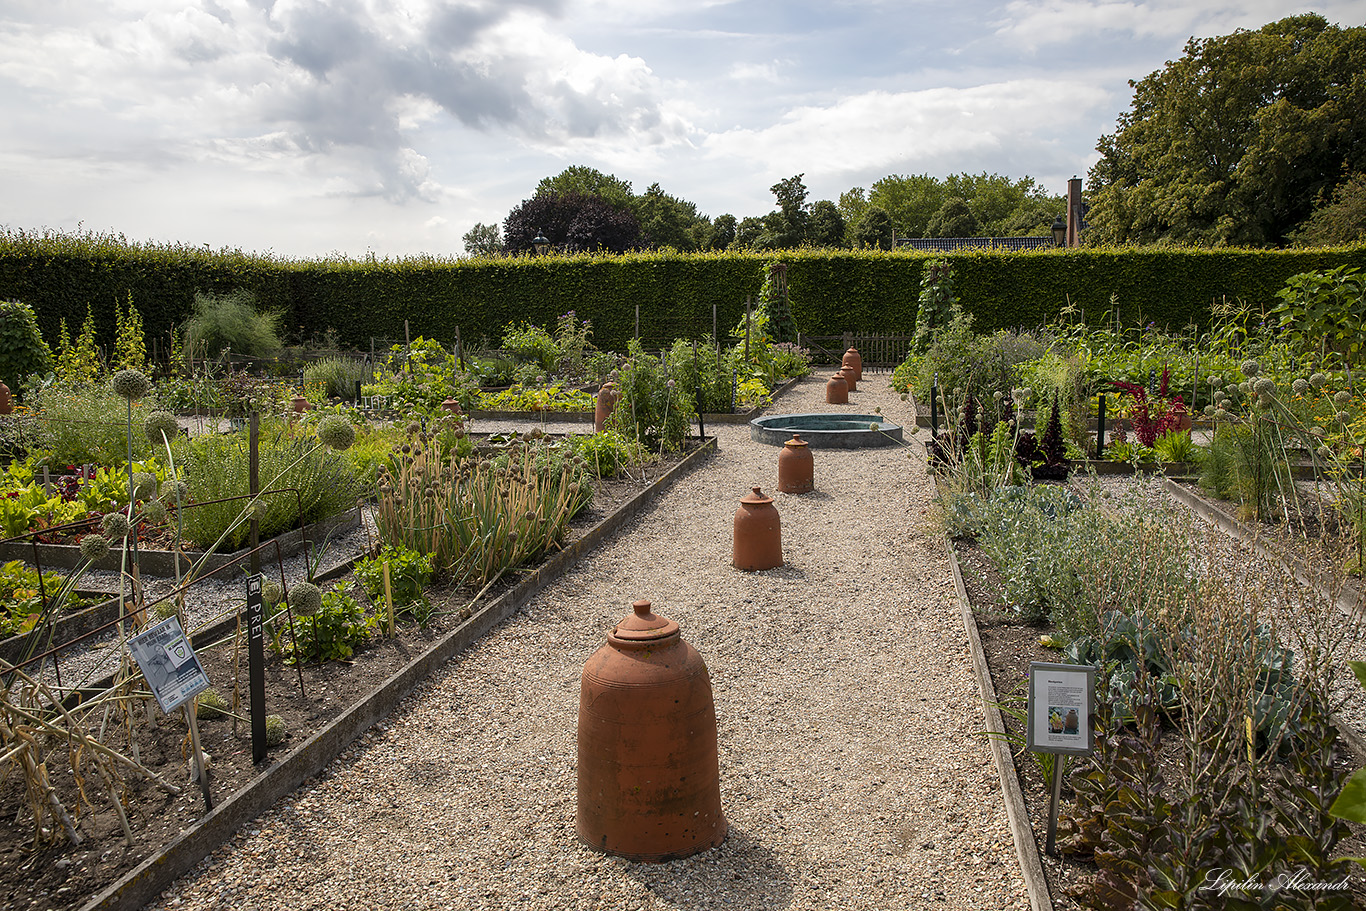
1151 417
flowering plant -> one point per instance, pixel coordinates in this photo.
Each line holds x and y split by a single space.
1151 417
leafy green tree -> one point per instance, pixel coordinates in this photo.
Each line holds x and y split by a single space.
955 218
667 221
1001 206
483 240
588 182
853 203
722 233
748 233
1233 142
788 226
571 221
1341 220
910 201
826 227
874 229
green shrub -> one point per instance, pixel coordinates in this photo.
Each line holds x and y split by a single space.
1064 558
22 349
339 375
216 466
231 321
609 452
333 632
409 574
653 409
533 345
86 426
705 372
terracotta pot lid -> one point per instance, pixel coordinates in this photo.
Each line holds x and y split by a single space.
756 498
795 441
644 625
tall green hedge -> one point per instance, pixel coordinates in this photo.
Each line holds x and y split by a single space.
831 291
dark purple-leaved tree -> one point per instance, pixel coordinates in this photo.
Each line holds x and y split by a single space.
572 222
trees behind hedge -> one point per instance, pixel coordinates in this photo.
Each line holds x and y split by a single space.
1235 141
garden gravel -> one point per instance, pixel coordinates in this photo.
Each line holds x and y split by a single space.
854 774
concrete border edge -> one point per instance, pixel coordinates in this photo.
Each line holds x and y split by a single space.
1026 846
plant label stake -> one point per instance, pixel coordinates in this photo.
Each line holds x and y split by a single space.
388 599
256 667
175 676
1061 703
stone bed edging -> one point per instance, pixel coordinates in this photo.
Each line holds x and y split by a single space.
1017 814
146 881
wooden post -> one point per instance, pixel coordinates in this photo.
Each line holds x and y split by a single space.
637 322
459 349
407 348
716 338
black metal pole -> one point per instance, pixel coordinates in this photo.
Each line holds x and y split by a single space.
1100 427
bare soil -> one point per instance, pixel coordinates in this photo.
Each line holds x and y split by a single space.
52 873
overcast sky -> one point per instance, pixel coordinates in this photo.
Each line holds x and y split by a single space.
309 127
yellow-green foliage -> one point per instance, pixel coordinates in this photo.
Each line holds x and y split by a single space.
78 364
130 346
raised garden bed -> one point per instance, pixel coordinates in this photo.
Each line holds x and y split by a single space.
161 562
340 701
1006 645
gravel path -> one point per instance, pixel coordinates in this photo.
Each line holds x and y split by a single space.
853 773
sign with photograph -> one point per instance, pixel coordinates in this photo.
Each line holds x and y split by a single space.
169 664
1061 700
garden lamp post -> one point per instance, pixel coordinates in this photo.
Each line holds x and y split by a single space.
541 243
1059 231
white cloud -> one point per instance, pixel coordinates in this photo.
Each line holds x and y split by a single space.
1034 24
754 72
936 127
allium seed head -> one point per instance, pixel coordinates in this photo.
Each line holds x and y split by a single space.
94 547
1250 368
1342 398
160 425
1263 386
144 485
1343 417
306 599
131 384
155 512
1300 386
271 593
115 525
275 730
337 432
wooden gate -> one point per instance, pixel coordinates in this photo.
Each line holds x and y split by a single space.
879 352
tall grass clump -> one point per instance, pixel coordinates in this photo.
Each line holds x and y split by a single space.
216 467
339 375
475 516
231 321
